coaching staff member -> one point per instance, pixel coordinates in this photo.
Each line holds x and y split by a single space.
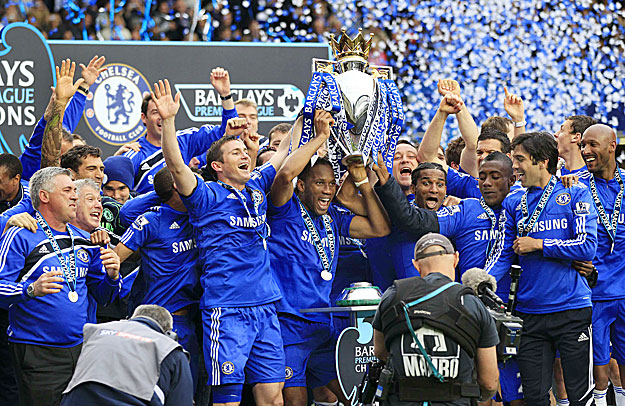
451 339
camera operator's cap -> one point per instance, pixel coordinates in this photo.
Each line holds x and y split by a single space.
431 240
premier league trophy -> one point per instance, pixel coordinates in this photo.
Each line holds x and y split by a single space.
364 100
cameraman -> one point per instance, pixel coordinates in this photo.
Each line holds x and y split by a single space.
449 324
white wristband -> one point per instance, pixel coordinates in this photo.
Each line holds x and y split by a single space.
520 124
362 182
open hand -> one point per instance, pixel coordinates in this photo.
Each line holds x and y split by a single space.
91 72
166 105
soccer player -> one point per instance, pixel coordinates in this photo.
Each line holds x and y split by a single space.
169 261
242 340
119 182
304 253
568 138
48 275
548 227
193 141
606 185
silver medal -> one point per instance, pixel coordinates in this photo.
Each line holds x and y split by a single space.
73 296
326 275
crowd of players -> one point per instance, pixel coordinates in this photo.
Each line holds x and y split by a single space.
234 235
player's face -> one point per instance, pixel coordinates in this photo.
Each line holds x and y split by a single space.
404 162
91 168
526 171
89 209
236 163
597 151
318 190
564 136
430 189
494 182
62 200
250 114
486 147
8 186
276 139
117 191
152 121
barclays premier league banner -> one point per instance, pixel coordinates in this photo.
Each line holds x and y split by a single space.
275 76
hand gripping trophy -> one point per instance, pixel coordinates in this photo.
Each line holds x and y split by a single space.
364 100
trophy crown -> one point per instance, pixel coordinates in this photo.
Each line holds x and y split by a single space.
352 48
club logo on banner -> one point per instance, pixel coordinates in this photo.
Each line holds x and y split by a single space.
113 107
275 102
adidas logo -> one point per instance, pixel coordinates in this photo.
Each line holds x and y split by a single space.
231 196
582 337
174 226
483 216
44 250
146 167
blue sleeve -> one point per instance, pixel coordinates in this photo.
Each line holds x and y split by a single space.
135 207
202 199
100 285
24 206
196 141
450 220
584 245
264 176
344 220
135 237
501 259
31 157
462 185
13 256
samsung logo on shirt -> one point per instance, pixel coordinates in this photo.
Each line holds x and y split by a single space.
551 224
182 246
247 222
306 236
486 235
81 269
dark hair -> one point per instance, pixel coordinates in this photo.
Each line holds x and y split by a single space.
414 145
281 128
453 151
164 184
497 156
492 134
144 104
496 123
11 164
77 137
416 174
73 158
541 146
580 123
215 153
262 152
306 171
66 135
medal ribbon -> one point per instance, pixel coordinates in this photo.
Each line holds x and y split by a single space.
544 198
493 223
256 199
612 226
312 229
70 273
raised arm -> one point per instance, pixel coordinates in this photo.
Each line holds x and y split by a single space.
168 107
283 150
428 149
282 187
515 109
52 135
467 126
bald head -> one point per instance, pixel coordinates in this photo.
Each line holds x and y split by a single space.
598 147
602 131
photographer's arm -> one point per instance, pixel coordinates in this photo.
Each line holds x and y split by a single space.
379 347
487 371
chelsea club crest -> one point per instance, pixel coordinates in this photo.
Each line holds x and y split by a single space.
113 106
